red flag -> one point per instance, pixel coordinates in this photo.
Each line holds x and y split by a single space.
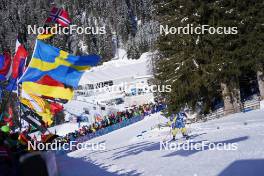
47 80
19 60
5 66
8 119
60 16
10 112
18 66
55 108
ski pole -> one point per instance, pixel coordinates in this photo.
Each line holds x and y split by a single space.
165 139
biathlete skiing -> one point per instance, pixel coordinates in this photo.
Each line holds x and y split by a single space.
177 123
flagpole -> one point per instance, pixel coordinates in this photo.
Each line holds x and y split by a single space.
20 118
20 112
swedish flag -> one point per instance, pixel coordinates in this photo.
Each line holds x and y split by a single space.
58 64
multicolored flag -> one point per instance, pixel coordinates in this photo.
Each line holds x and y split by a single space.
18 66
5 63
60 16
33 118
57 15
48 87
39 105
57 64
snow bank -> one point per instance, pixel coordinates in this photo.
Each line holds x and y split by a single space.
262 104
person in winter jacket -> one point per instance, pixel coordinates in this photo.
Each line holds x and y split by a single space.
177 124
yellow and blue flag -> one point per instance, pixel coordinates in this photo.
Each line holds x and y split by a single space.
58 64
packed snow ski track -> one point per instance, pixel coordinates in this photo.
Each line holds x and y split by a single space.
135 150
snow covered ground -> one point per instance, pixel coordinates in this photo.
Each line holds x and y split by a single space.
135 150
62 129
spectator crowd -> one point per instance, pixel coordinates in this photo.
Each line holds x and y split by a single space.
114 118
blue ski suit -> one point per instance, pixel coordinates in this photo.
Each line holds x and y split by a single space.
177 123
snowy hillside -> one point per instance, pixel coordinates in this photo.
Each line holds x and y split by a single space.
135 150
120 68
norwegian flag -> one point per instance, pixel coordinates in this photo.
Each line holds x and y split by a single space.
60 16
18 65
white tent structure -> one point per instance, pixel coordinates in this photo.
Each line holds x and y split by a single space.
111 85
121 69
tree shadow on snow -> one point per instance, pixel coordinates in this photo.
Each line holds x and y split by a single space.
134 149
117 148
192 151
244 168
68 166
